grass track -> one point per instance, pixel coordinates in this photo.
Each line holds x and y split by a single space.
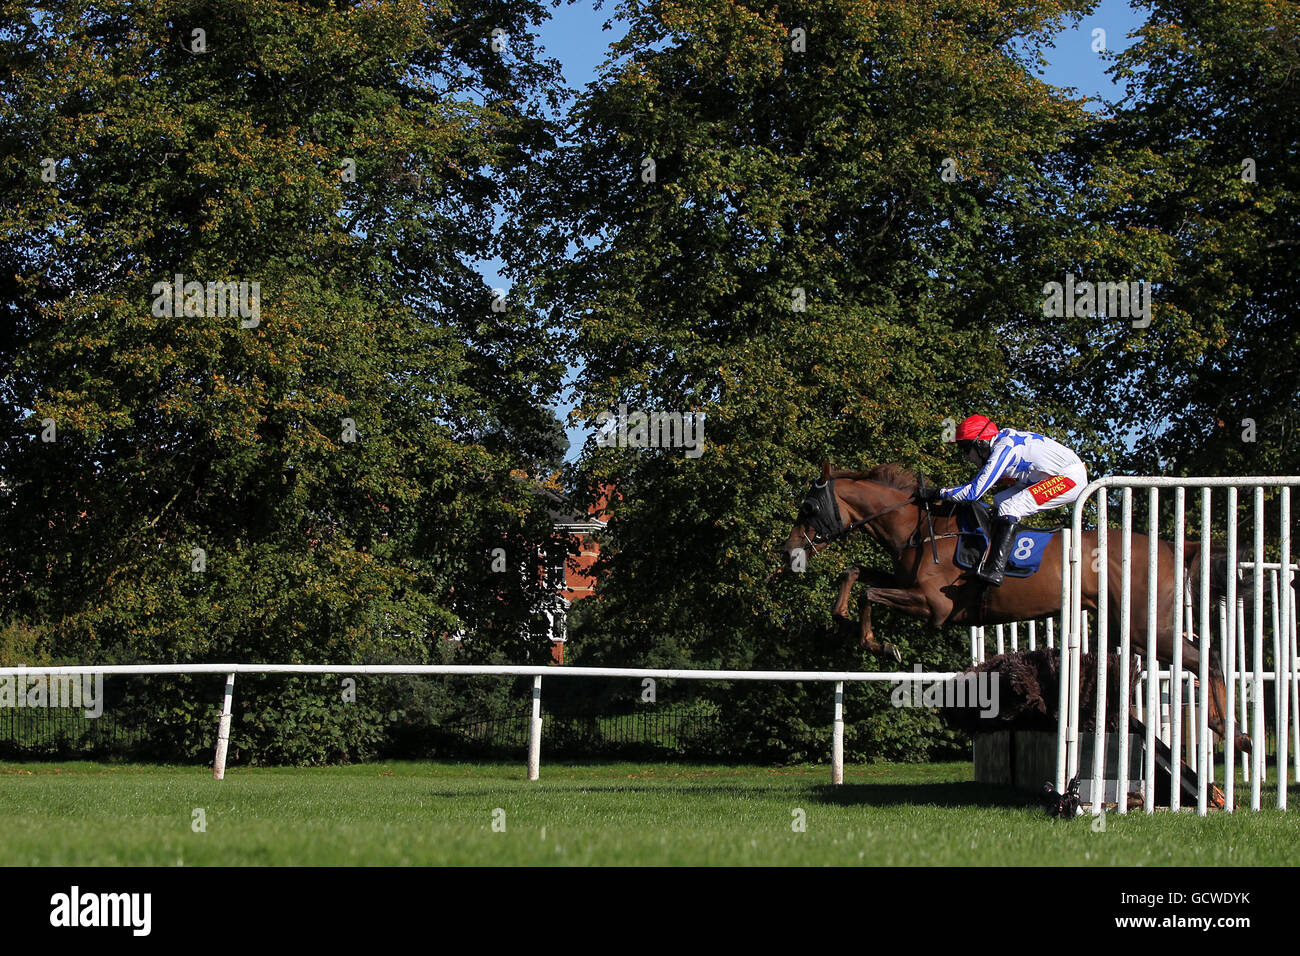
613 814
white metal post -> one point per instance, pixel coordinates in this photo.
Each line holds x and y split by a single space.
1103 593
1205 752
1257 710
1063 769
1078 630
1125 637
1230 661
1281 641
535 732
1176 668
837 737
1286 690
1243 675
223 731
1152 631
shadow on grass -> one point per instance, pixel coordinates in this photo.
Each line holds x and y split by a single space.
955 794
926 794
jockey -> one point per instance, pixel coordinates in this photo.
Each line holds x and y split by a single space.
1042 474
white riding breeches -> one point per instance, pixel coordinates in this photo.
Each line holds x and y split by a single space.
1026 498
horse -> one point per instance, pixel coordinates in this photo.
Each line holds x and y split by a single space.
882 503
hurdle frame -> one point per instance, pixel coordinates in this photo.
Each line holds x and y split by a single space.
1285 662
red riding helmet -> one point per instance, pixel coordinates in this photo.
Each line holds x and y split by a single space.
976 428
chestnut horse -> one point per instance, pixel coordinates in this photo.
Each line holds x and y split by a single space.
881 502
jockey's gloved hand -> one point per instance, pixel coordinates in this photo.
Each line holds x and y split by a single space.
929 495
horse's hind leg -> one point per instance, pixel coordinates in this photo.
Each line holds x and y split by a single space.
1219 707
1218 693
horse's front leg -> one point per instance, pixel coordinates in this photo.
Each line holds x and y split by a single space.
868 639
847 580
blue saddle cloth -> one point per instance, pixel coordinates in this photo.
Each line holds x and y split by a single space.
1027 548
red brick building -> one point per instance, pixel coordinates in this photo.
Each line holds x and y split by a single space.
569 576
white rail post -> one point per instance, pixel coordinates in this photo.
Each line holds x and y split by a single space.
1102 561
1205 751
1230 661
1243 673
1279 683
1125 647
1063 769
535 732
1176 668
1284 663
1153 639
1033 635
837 737
1257 710
223 732
1189 678
1078 630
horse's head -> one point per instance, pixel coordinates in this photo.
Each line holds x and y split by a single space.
820 519
827 511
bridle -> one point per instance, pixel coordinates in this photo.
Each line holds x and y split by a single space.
825 521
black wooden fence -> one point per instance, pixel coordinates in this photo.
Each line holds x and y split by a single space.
61 733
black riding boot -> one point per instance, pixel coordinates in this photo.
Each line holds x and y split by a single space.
995 562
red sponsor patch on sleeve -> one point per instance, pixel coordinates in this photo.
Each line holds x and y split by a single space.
1049 488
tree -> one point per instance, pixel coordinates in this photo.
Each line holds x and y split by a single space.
311 462
1192 185
800 222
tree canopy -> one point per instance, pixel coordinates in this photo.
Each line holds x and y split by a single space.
257 399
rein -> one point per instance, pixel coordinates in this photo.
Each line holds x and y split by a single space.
828 539
826 530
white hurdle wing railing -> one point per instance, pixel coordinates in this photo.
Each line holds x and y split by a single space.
1235 662
537 672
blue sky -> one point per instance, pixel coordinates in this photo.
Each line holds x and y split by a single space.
574 36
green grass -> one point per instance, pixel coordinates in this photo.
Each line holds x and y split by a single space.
676 814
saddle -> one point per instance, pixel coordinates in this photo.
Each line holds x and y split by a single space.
974 521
